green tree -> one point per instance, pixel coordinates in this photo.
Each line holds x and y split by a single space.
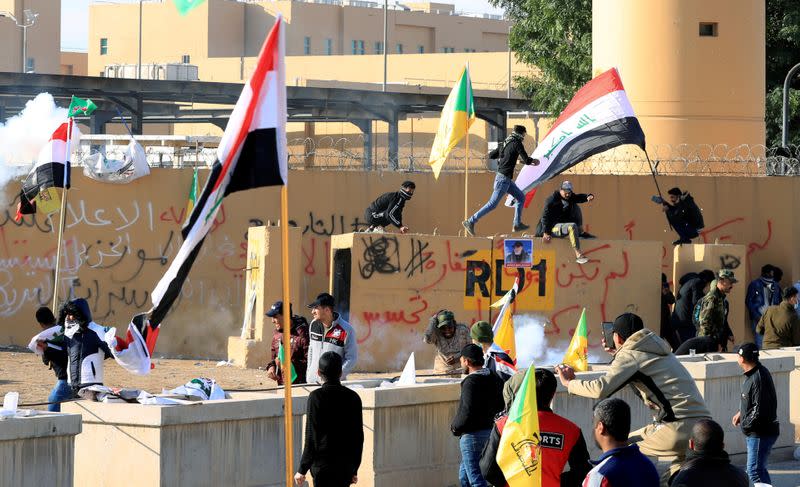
555 36
783 52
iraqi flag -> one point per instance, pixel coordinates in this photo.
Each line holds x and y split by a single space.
251 154
48 172
598 118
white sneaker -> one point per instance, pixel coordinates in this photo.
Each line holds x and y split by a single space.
378 230
582 259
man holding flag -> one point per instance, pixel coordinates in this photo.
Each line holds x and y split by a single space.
509 152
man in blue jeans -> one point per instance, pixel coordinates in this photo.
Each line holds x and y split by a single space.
56 359
758 415
481 399
507 154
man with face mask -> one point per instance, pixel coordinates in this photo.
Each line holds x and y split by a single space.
86 350
388 209
780 324
683 214
449 338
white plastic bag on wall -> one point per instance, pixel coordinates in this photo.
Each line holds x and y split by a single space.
132 166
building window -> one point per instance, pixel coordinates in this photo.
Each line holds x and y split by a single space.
358 47
708 29
185 59
30 65
378 47
448 49
103 46
421 49
328 46
306 45
467 49
399 48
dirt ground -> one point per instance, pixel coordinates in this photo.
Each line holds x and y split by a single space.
24 372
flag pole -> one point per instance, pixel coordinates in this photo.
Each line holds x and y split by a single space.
62 218
655 180
286 359
468 94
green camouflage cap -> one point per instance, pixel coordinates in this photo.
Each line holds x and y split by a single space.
726 274
445 318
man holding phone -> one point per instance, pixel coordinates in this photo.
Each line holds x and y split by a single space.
644 360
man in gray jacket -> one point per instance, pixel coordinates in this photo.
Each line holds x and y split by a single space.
644 360
328 332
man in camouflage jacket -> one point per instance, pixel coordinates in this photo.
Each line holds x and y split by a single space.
713 317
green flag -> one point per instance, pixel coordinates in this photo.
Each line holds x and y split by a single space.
80 108
185 6
285 358
192 195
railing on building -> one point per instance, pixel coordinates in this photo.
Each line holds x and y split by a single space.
347 153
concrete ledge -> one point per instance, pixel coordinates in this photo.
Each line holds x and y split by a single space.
43 425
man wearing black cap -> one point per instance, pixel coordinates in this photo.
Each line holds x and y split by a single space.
644 360
758 413
334 430
388 208
329 332
683 214
508 153
562 218
481 399
298 340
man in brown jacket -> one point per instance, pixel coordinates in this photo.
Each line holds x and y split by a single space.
449 338
780 324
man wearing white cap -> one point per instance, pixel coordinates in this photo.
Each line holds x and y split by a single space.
562 217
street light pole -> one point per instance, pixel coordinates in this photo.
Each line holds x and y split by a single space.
139 63
30 19
785 124
385 39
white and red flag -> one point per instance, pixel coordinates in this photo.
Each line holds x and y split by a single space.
598 118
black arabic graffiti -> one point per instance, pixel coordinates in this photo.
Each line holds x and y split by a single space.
728 261
380 255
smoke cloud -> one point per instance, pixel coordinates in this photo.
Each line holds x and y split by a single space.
23 135
533 347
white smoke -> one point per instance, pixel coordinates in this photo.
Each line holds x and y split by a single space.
23 135
533 347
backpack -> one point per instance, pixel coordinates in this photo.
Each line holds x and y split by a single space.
497 152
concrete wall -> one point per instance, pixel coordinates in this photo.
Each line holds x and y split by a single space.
397 282
38 450
231 442
119 240
687 89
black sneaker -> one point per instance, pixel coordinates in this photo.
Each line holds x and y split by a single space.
682 241
521 227
469 227
586 235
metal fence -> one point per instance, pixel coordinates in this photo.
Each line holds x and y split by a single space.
347 153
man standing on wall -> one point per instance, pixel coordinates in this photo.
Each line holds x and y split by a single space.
388 209
508 153
562 217
758 413
329 332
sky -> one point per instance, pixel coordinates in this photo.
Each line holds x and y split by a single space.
75 19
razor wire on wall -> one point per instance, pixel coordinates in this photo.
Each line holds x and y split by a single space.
348 153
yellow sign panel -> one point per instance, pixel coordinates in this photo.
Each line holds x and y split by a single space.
47 201
487 280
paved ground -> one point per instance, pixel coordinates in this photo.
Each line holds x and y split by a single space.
785 474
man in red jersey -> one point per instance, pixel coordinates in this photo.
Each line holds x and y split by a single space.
561 440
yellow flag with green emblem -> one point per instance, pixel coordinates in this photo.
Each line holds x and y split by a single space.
457 116
577 355
519 455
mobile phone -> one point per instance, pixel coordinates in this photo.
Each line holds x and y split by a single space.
608 334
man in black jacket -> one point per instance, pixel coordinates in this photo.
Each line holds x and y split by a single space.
481 399
707 463
758 412
683 215
334 430
562 217
56 359
691 291
388 208
508 153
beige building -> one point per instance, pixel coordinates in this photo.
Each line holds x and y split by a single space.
74 63
43 35
220 29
